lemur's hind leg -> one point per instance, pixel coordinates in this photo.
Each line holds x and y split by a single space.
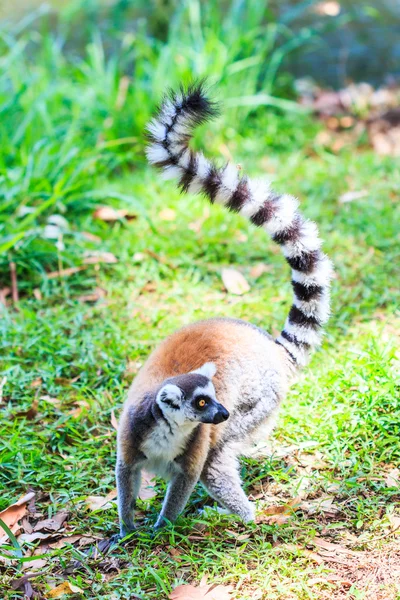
221 479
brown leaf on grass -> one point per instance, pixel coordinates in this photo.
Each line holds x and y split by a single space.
97 294
296 548
14 513
14 282
65 541
147 490
3 382
34 537
392 478
36 382
65 272
114 421
328 578
4 292
54 401
394 521
64 588
324 546
384 137
34 564
109 214
77 410
330 8
324 505
259 270
167 214
278 514
26 526
29 414
234 282
159 258
93 258
53 524
202 592
101 502
90 236
65 380
351 196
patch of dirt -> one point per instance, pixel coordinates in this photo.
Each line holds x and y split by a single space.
376 573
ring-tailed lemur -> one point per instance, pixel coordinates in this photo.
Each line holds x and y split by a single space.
169 422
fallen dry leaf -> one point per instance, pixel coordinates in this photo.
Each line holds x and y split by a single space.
93 258
64 588
4 292
12 514
29 414
234 282
2 386
33 537
65 541
90 236
392 478
326 546
330 9
101 502
259 270
53 524
350 196
80 406
34 565
278 514
167 214
114 421
394 521
65 272
65 380
147 490
97 294
325 505
328 578
110 215
203 592
36 382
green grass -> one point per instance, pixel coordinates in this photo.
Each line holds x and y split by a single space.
63 153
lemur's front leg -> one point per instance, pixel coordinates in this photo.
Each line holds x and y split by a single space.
128 485
178 492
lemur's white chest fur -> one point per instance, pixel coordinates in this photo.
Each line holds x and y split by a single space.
164 444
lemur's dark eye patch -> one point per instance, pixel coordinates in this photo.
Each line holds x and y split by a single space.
201 402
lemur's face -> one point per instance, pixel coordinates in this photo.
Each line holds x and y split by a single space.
191 397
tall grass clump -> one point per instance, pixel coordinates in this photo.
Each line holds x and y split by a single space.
77 88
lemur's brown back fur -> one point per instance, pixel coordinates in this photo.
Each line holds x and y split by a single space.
225 342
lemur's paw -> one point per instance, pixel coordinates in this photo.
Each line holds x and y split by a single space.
249 514
126 531
160 524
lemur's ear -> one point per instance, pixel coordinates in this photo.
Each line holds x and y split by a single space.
171 395
208 370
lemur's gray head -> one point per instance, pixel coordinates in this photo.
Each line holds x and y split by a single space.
191 397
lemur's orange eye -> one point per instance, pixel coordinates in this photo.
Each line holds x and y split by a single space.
201 403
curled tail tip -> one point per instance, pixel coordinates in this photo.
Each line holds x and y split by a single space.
169 132
192 101
196 100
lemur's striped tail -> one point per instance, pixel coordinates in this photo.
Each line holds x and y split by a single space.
169 135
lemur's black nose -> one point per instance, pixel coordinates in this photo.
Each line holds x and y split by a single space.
221 415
